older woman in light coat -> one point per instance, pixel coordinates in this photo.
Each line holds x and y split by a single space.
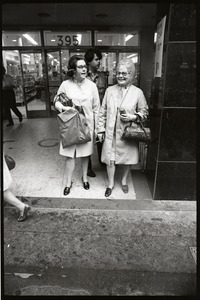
122 103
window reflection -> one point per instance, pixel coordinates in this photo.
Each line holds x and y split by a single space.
116 39
21 38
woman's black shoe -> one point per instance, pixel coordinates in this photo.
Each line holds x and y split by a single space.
86 185
66 190
108 192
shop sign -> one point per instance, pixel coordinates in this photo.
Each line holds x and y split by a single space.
159 48
67 40
64 39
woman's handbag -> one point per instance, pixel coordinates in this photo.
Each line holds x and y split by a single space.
63 99
10 162
136 132
73 128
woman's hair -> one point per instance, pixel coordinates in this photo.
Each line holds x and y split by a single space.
72 64
128 63
89 55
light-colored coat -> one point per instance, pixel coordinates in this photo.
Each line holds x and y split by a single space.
85 95
109 117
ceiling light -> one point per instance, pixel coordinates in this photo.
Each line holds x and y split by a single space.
28 37
128 37
14 40
132 55
99 40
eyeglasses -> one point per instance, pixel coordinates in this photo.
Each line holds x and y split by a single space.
81 67
123 73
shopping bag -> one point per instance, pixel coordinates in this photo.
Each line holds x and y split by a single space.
73 128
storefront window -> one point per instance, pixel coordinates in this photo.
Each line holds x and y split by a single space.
108 65
57 38
24 38
116 39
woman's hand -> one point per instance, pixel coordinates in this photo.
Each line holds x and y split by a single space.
126 117
65 108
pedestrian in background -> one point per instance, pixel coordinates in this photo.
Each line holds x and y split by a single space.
9 99
122 103
84 94
93 58
9 197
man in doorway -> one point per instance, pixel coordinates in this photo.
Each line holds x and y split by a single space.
9 100
93 58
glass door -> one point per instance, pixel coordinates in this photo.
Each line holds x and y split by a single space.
11 62
34 85
55 74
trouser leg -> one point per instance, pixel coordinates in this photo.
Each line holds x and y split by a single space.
99 150
8 114
89 163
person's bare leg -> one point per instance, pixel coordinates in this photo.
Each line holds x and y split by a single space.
84 163
70 165
111 174
126 169
11 199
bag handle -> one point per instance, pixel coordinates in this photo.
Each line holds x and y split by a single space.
141 125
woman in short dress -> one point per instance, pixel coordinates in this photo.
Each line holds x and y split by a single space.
84 94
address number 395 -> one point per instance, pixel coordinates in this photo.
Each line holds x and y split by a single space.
67 40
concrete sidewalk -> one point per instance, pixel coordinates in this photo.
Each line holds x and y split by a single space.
144 250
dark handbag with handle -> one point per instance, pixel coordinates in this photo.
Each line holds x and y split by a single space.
63 99
10 162
136 132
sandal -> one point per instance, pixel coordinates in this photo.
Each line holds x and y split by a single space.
24 215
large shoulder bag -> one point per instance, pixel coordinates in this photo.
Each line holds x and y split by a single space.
73 128
136 132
